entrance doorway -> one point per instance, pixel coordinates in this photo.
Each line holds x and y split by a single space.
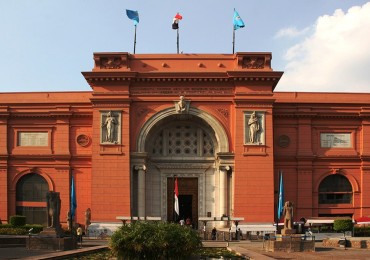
188 199
185 206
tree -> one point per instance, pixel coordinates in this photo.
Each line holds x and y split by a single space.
154 240
342 225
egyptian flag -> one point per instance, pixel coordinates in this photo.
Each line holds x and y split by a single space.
175 23
176 205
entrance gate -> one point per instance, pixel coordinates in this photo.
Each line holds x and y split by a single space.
188 199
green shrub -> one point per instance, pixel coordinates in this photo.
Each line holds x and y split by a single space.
6 226
17 221
342 225
8 229
362 231
13 231
154 240
36 228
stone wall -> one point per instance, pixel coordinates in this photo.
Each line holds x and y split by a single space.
354 243
288 245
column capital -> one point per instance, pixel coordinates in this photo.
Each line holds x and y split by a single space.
225 168
140 167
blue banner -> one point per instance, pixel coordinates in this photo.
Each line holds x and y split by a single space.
281 196
238 22
133 15
73 198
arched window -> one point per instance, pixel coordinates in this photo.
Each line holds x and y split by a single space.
31 192
335 189
182 139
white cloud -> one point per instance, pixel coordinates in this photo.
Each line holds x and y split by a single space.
290 32
336 57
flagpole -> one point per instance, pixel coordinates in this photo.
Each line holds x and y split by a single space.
70 220
277 206
233 40
135 40
178 40
174 211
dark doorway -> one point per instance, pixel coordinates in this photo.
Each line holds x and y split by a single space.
188 199
185 206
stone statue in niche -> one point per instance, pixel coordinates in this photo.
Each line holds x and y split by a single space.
109 128
182 106
53 209
254 128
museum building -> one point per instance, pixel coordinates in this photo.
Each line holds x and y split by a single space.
211 121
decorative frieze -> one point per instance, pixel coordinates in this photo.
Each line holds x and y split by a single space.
208 91
254 61
111 61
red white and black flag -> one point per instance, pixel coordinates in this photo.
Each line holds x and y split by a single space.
176 204
175 22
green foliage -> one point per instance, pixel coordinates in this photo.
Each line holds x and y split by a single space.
17 221
341 225
36 228
13 231
362 231
8 229
5 226
154 240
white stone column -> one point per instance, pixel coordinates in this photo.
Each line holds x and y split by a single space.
141 189
223 190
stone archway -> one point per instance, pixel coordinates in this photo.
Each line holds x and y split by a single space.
185 145
220 133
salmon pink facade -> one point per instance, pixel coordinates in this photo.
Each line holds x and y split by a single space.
212 121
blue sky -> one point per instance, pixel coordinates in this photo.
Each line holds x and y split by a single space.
321 45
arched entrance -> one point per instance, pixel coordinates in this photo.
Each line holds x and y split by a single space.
31 192
191 147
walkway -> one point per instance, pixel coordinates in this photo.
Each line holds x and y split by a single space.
252 249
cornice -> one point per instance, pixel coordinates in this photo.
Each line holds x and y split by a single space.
317 115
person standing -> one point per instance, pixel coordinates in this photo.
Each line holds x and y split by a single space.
79 235
214 233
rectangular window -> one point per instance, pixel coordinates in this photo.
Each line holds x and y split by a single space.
335 140
335 198
33 138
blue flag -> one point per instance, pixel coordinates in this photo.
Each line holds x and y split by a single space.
281 196
133 15
73 198
238 22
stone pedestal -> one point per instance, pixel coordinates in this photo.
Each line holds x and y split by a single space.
286 231
51 243
51 232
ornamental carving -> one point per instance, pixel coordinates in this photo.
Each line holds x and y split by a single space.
284 141
182 106
111 63
224 112
83 140
253 62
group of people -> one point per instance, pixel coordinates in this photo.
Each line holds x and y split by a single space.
238 234
186 222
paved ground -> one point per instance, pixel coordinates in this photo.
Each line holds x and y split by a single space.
252 249
321 252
